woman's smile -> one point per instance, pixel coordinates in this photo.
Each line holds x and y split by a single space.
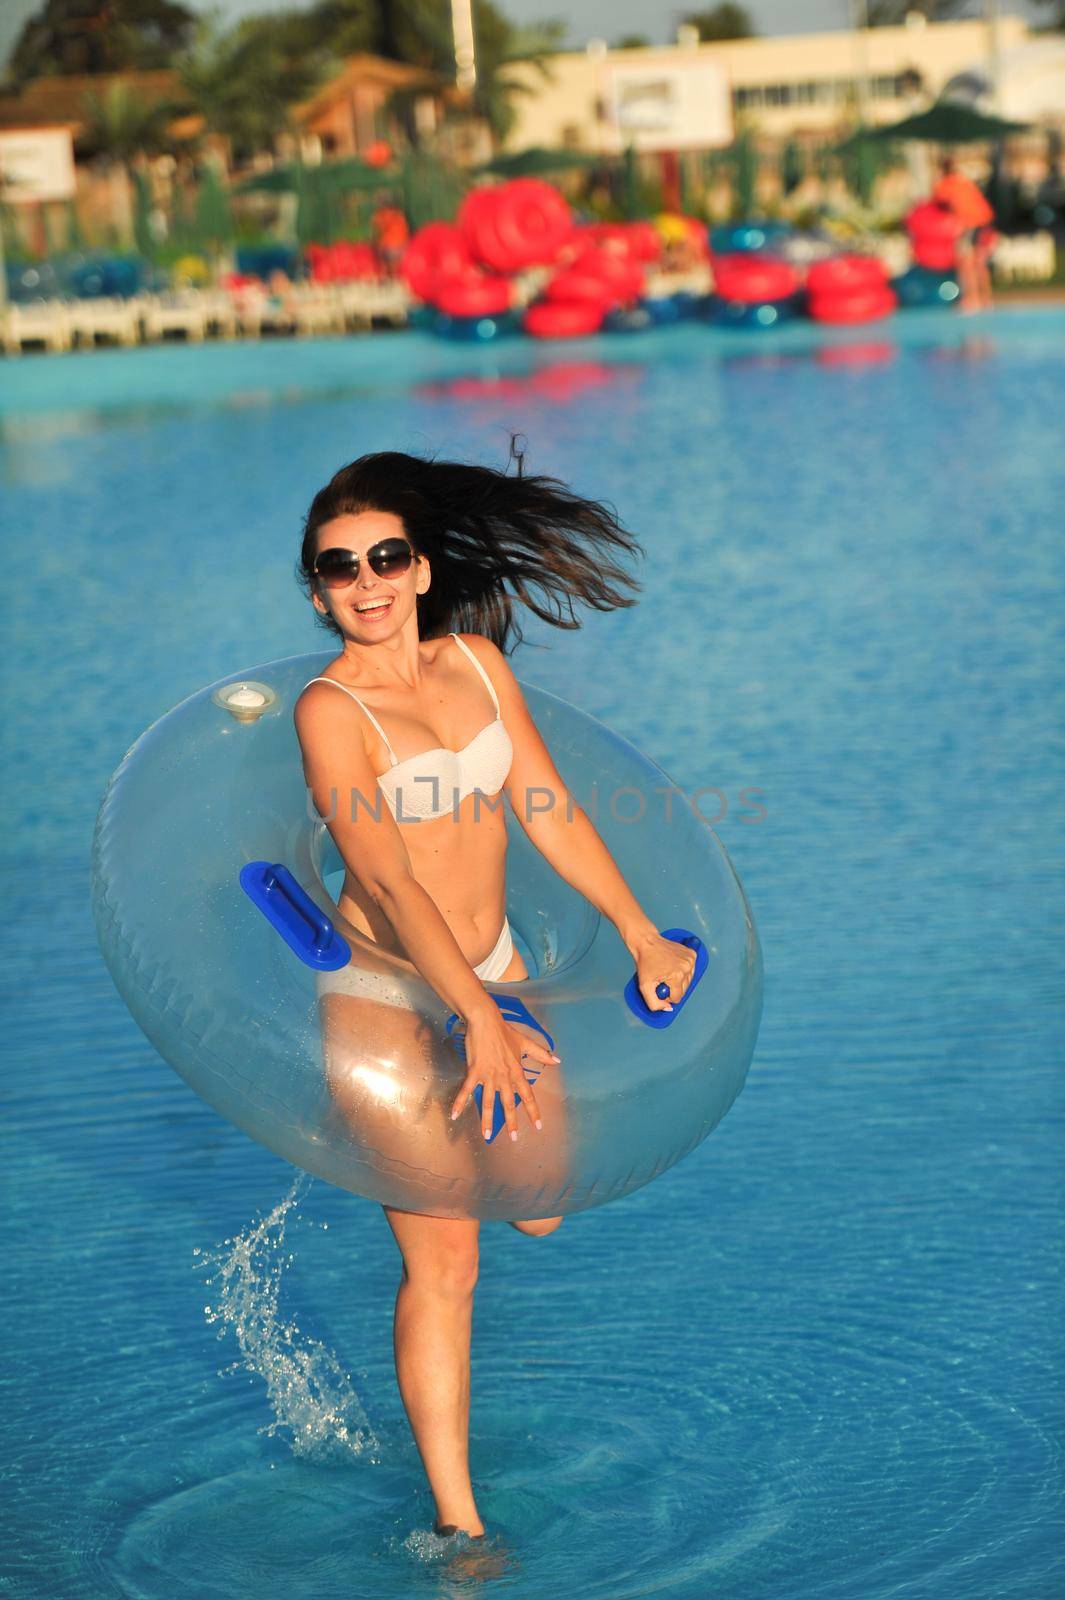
372 609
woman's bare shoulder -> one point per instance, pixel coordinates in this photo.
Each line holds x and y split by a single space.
484 649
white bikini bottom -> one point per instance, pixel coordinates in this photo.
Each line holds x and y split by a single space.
498 958
354 979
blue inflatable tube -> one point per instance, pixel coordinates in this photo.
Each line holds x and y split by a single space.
919 287
211 883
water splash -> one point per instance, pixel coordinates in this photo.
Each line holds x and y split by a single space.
308 1390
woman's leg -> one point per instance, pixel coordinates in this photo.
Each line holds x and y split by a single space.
538 1226
966 273
431 1334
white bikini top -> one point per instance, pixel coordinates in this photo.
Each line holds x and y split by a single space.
434 783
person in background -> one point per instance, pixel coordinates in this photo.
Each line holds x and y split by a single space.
976 235
391 236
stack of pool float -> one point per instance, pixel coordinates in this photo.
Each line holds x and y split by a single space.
932 280
753 290
754 285
464 272
462 301
519 238
849 288
599 282
471 275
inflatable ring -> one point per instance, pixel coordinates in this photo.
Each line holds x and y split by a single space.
575 287
212 908
436 251
919 286
744 238
563 319
474 330
856 305
751 313
933 232
628 319
510 226
473 296
842 274
754 280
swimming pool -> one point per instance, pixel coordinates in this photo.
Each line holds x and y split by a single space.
822 1356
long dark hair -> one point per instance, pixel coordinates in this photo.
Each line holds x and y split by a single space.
490 539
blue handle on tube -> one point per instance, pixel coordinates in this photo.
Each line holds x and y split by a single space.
662 1019
288 907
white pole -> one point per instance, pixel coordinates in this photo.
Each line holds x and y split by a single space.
994 40
465 54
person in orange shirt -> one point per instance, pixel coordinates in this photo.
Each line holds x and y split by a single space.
960 196
391 235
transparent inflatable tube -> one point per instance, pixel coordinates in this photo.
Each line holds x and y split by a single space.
356 1087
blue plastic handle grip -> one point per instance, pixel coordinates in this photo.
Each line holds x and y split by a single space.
662 1019
288 907
514 1010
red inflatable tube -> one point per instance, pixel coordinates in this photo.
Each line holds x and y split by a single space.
841 273
575 287
534 219
753 279
621 277
343 262
473 296
855 305
435 252
515 225
553 319
933 231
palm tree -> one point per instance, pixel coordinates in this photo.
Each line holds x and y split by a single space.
119 126
243 82
501 45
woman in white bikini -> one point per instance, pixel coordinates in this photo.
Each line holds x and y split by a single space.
397 553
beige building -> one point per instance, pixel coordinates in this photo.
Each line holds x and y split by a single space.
809 84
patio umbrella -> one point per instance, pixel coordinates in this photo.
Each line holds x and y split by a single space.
338 176
948 122
531 163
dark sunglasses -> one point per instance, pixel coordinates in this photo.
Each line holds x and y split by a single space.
338 567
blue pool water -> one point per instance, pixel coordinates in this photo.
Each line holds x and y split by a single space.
822 1356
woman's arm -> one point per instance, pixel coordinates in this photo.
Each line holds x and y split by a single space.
559 828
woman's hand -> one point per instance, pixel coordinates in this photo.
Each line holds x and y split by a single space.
494 1051
661 960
